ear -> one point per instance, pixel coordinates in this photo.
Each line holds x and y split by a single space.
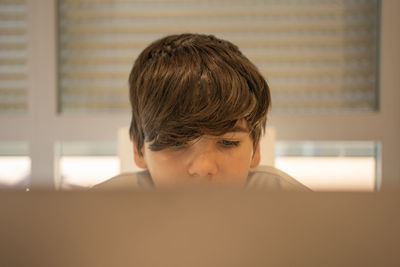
139 157
256 157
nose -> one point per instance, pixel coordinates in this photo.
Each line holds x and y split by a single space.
203 165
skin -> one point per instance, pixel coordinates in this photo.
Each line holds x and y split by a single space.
222 159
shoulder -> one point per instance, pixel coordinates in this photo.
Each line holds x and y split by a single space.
126 181
271 178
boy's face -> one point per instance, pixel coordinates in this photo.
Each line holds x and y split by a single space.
222 159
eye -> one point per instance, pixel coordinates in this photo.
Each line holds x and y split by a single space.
179 144
228 143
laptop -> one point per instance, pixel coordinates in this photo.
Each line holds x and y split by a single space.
199 227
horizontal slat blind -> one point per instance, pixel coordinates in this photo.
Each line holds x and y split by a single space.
318 56
13 55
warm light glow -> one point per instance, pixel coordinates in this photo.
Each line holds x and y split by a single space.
87 171
14 170
331 173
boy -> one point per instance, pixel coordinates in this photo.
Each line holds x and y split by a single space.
199 109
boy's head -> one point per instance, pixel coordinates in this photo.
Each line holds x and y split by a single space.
191 91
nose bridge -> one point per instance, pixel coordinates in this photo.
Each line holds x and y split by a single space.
203 161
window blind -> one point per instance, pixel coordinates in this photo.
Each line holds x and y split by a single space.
317 56
13 56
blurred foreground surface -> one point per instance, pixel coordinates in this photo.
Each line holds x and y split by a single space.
199 227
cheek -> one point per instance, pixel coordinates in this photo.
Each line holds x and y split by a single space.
238 163
245 153
163 167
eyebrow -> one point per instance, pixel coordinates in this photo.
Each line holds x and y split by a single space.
238 129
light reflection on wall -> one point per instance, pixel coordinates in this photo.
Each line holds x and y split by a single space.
86 171
331 173
14 171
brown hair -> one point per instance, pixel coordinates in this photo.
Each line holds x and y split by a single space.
188 85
